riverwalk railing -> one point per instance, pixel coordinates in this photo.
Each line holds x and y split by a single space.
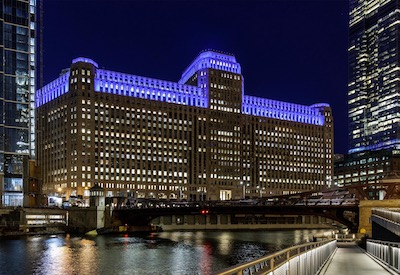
345 237
387 252
392 214
305 259
388 218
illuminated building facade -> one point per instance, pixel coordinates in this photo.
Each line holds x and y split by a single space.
199 138
373 93
374 75
17 96
368 168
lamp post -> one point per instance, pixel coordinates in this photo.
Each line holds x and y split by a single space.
261 190
60 191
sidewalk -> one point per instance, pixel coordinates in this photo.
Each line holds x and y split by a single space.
350 259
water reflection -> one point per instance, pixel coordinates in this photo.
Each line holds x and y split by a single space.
56 257
165 253
224 245
206 258
62 255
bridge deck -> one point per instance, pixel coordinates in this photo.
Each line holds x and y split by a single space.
350 259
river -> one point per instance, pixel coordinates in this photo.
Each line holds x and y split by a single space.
187 253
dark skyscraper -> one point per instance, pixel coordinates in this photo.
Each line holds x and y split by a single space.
374 75
17 82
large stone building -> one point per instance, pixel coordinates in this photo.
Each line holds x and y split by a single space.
197 139
373 93
17 96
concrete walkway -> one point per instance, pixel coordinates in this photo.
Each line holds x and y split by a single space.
350 259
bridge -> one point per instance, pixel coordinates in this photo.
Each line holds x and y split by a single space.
332 204
338 204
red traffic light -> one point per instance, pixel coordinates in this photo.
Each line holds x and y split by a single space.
204 211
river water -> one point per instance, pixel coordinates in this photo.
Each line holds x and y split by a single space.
199 252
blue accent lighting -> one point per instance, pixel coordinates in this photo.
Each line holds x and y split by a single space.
54 89
213 60
258 106
394 143
106 81
85 60
149 88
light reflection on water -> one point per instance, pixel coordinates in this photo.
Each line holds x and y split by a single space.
201 252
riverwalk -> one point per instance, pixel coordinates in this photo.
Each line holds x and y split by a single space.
351 259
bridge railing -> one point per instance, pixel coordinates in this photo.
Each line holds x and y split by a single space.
306 258
392 214
387 252
388 218
154 203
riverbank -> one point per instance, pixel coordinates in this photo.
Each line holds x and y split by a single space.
32 221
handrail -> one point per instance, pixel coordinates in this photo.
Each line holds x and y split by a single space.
393 244
392 214
387 252
278 259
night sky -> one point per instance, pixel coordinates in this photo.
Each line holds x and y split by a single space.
289 50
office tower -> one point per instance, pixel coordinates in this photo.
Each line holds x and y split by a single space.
373 96
17 81
200 138
374 76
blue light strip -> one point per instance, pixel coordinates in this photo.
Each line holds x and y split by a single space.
213 60
381 145
149 88
258 106
171 92
52 90
85 60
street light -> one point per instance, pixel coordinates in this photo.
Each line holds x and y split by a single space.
243 190
261 190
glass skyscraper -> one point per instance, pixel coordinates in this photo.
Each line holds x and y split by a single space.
373 97
17 82
374 75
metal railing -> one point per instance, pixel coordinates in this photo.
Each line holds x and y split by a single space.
345 237
301 259
387 252
392 214
286 201
388 218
